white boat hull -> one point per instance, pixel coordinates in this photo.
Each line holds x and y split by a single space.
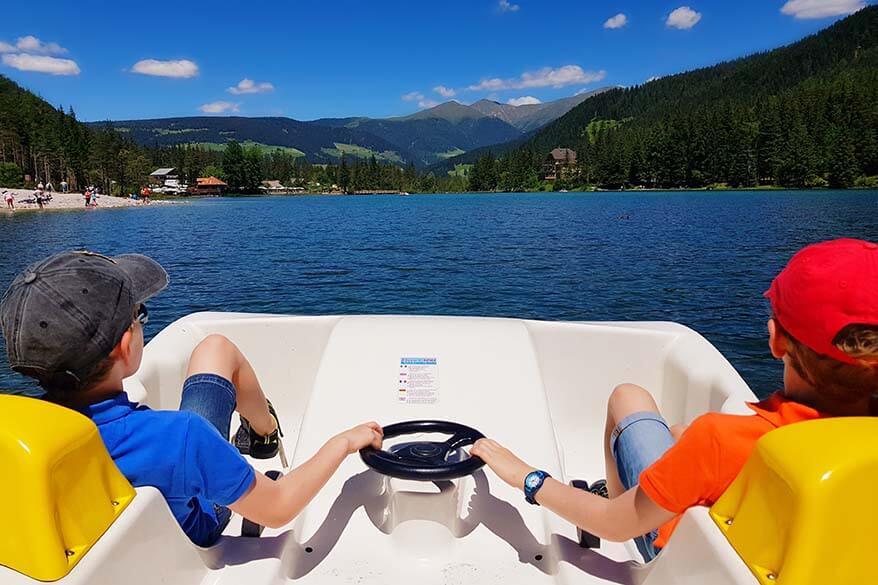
538 387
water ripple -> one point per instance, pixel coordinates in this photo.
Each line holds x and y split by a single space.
701 259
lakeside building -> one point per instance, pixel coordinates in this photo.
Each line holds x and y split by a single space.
274 188
208 186
167 181
159 176
559 163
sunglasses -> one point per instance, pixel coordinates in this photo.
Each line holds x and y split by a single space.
142 316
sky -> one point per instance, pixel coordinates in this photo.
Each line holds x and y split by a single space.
309 59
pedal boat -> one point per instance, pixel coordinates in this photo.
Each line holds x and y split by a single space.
800 512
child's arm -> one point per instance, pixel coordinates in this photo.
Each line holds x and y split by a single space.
619 519
276 503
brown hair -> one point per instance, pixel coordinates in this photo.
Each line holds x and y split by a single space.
841 382
61 387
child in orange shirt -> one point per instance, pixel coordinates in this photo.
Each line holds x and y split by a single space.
824 329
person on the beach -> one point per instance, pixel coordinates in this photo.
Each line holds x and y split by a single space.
38 197
64 186
49 187
9 198
80 347
825 330
87 197
40 186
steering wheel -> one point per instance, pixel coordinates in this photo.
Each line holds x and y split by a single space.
424 460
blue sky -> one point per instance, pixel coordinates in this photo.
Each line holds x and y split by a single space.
308 59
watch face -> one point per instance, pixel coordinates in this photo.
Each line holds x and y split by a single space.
532 480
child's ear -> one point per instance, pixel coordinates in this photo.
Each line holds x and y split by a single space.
777 341
122 351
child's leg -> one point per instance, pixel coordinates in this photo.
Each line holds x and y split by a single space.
217 355
626 399
636 436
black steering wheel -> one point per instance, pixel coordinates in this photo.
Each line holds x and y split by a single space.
424 460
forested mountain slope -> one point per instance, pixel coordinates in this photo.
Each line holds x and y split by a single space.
801 115
318 143
423 138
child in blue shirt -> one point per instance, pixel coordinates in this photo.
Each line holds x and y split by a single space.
74 321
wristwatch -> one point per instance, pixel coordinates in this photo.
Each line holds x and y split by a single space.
532 484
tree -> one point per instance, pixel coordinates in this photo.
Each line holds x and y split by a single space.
252 165
843 171
10 175
344 176
214 171
233 167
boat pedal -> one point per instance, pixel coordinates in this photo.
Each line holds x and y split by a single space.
586 539
252 529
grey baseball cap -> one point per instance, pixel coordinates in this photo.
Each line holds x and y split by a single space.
65 314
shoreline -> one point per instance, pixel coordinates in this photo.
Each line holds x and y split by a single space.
70 202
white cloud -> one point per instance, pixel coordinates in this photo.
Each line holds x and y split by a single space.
545 77
219 107
7 48
423 101
653 78
41 64
181 68
31 44
412 96
506 6
445 92
683 18
803 9
524 101
617 21
250 86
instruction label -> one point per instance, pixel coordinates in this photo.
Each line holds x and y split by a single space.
418 380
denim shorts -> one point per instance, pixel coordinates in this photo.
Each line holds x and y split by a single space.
637 442
212 397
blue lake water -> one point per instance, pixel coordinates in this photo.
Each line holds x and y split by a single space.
701 259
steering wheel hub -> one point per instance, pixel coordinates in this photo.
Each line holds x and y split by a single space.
425 460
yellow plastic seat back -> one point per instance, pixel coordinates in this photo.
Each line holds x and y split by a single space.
60 490
804 509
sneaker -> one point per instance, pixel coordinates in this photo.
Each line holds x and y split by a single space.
599 488
249 442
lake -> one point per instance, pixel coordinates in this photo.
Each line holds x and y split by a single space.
699 258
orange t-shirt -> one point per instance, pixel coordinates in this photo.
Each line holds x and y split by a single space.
707 458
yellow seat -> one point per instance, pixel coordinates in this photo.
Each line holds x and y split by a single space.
60 489
804 509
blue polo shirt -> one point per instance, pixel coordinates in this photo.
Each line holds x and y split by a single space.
180 454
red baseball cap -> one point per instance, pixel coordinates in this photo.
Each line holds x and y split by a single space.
824 288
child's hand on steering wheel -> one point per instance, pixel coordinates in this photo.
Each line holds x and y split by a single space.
502 461
367 434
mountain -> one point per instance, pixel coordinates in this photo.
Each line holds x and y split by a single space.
439 133
318 143
452 111
803 115
850 43
424 138
530 117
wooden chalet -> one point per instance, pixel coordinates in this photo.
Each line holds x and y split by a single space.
559 163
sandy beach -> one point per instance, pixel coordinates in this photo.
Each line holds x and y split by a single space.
24 201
